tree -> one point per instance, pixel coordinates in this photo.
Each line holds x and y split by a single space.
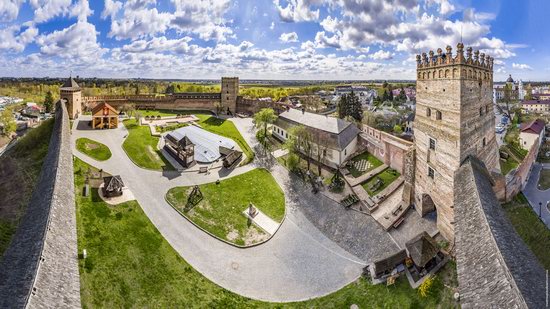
304 142
170 89
48 102
350 105
343 106
385 96
262 119
8 122
385 84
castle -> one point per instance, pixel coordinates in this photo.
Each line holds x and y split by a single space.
227 101
454 120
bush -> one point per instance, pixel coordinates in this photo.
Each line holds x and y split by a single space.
292 162
425 288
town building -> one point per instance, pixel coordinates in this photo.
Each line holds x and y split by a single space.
454 120
104 116
535 106
530 133
364 94
336 138
410 93
517 91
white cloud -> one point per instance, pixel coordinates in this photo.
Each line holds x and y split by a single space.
289 37
140 23
81 10
521 66
13 39
48 9
9 9
445 7
298 10
78 41
381 55
111 8
272 25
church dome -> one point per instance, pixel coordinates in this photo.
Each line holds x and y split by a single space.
510 79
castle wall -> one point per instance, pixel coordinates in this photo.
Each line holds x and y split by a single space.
40 267
387 148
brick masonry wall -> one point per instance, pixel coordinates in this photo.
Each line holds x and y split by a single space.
387 148
40 268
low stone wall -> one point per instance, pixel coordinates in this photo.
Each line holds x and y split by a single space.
387 148
40 268
508 186
495 268
251 106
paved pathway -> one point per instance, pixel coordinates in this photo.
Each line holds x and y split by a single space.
536 196
298 263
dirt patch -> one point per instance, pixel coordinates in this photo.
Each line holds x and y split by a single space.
91 146
254 235
232 235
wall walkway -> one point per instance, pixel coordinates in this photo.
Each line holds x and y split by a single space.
40 268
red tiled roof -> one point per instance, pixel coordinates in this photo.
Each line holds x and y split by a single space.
535 126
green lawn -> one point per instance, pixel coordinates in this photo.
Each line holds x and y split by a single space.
544 179
527 224
141 147
167 112
220 212
364 156
93 149
7 229
130 265
507 165
387 176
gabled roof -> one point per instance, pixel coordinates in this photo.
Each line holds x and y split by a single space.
422 248
113 183
532 102
70 84
535 127
390 262
320 122
101 106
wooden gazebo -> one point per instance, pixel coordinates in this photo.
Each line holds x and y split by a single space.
112 186
104 116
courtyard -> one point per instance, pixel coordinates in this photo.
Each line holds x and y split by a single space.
306 258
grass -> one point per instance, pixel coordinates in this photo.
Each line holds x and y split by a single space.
302 165
141 147
387 176
19 171
213 124
226 128
507 165
527 224
364 156
170 127
220 211
130 265
93 149
544 179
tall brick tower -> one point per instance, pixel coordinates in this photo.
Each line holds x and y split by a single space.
229 94
72 94
454 119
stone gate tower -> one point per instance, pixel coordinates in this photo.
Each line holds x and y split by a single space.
454 119
72 94
229 93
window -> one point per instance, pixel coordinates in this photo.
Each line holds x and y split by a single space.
432 143
428 112
438 115
486 109
484 142
481 111
431 172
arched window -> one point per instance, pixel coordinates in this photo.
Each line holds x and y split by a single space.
440 73
437 115
484 142
428 112
447 73
481 111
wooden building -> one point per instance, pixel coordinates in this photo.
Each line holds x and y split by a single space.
112 186
182 149
104 116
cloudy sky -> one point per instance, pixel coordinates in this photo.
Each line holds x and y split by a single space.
270 39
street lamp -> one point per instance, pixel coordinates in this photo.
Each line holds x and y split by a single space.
540 209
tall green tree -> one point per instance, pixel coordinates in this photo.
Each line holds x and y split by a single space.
262 120
343 105
48 102
7 122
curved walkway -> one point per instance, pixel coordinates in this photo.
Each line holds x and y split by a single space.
536 196
298 263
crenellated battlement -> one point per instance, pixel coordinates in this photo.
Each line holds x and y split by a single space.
481 64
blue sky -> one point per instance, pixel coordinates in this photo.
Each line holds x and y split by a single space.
270 39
